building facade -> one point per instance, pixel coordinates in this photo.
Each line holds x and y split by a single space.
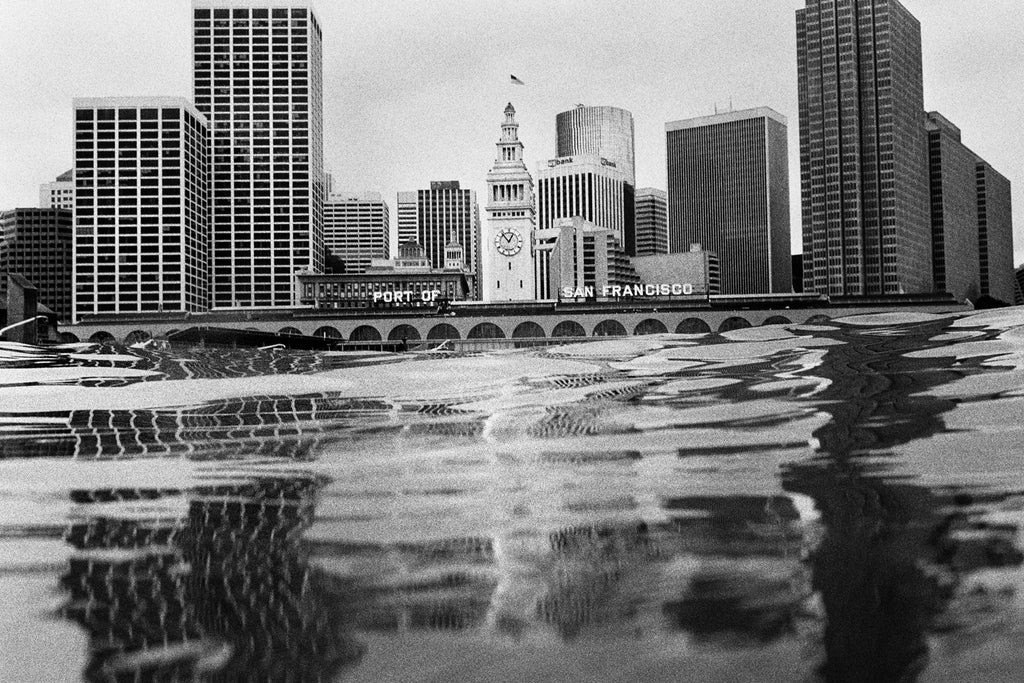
696 267
257 77
37 244
592 188
995 233
863 150
728 189
577 259
436 217
506 246
651 221
356 229
142 213
60 194
599 132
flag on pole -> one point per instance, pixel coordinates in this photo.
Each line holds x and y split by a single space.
515 81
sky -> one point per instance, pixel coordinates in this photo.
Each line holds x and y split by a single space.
414 89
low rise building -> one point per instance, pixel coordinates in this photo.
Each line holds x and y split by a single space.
696 272
576 259
37 244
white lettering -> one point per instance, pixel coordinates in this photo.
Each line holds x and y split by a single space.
567 292
687 289
616 290
377 296
677 290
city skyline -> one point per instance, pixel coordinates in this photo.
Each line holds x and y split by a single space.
390 81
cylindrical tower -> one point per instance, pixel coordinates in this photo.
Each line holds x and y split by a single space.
606 132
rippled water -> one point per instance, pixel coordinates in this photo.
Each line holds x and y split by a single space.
837 502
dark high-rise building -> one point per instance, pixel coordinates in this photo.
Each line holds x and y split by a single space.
863 154
257 77
437 217
142 213
728 189
651 221
1018 290
995 233
954 210
37 244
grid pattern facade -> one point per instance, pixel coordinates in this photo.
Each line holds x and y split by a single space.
356 229
37 244
995 233
258 78
142 214
728 189
443 214
651 221
598 131
863 153
586 188
60 194
955 260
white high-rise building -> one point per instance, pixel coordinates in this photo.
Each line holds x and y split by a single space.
356 226
507 241
142 213
60 194
257 77
590 187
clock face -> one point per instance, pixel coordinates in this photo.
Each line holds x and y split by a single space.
508 242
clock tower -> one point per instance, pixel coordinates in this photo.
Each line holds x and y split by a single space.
507 245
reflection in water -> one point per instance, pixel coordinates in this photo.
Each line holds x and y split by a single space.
679 509
226 589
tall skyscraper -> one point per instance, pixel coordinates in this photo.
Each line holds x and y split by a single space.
437 217
863 153
356 229
1018 290
142 213
651 221
37 244
590 187
506 244
995 232
598 131
257 77
728 189
60 194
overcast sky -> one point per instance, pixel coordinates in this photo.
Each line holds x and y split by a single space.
414 89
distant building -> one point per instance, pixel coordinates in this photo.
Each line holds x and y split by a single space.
437 216
257 77
697 268
408 281
651 221
728 189
357 229
142 221
37 244
592 188
995 233
598 132
578 255
60 194
954 210
863 153
507 264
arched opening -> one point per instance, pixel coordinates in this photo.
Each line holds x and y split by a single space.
136 337
693 326
528 329
364 333
734 323
609 328
327 332
443 331
486 331
650 326
289 330
818 320
568 328
68 338
102 337
777 320
404 332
